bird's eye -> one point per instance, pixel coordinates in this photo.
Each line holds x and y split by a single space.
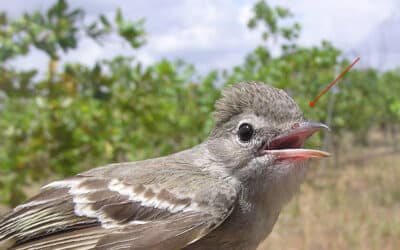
245 132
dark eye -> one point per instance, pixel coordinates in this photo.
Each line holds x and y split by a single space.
245 132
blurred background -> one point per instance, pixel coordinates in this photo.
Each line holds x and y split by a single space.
86 83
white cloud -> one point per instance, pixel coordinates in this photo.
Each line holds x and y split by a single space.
214 33
344 22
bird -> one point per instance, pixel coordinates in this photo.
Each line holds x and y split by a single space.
224 193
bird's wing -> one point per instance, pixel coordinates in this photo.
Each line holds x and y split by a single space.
86 212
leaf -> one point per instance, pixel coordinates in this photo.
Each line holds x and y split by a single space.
118 17
105 21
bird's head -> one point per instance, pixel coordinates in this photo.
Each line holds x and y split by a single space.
260 129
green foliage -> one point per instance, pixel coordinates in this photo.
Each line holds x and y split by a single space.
78 117
275 24
60 28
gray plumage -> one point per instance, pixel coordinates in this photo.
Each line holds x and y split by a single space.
225 193
259 99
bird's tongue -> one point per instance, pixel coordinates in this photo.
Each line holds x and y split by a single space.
288 145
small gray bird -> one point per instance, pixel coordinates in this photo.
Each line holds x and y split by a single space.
225 193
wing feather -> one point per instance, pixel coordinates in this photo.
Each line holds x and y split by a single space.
171 234
87 212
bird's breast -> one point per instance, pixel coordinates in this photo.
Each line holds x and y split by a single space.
245 228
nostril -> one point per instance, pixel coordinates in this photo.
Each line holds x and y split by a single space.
295 125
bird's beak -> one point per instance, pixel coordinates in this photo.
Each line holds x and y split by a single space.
289 145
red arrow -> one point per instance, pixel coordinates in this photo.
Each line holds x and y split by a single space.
312 103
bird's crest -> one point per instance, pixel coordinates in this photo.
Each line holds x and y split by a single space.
258 98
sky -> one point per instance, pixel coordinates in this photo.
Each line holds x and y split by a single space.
213 34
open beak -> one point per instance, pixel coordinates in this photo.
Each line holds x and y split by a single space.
289 145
